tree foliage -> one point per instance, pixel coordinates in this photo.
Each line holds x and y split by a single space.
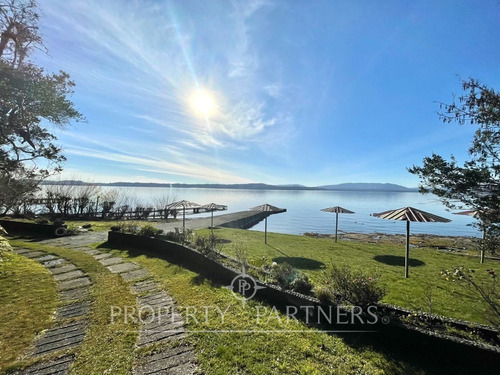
30 100
475 185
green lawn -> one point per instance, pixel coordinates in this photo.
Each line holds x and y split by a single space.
306 352
28 297
312 255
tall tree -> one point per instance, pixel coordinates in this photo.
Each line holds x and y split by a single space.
30 100
474 185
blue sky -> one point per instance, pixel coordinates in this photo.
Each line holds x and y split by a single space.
310 92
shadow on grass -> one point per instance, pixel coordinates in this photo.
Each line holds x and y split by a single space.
394 260
278 250
300 262
201 279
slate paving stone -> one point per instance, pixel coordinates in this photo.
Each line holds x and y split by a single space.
155 298
110 261
74 294
145 286
59 366
69 275
33 254
102 256
160 336
75 283
72 311
60 337
22 251
184 369
134 275
123 267
165 361
161 324
62 269
46 257
54 263
78 327
64 343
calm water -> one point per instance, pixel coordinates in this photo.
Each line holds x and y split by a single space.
303 209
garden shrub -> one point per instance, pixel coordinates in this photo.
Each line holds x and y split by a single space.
283 274
149 231
324 295
302 285
208 245
179 236
354 287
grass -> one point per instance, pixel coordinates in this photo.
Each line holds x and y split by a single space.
107 348
259 351
28 297
313 255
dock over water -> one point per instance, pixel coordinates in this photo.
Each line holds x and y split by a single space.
239 220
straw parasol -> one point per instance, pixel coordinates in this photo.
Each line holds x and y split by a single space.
410 214
183 204
338 210
271 210
211 207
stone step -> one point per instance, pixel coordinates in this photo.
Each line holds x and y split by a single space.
110 261
123 267
135 275
73 294
62 269
57 366
69 275
72 311
166 361
73 284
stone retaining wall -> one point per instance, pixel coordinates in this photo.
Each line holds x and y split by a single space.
12 226
395 334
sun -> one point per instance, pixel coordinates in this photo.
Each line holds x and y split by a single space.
203 103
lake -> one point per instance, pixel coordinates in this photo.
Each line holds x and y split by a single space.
303 209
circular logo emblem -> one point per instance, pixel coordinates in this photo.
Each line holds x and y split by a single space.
244 287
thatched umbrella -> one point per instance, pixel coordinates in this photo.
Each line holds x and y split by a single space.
475 214
271 210
338 210
183 204
211 207
410 214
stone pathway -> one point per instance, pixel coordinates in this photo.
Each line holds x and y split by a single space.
70 321
164 325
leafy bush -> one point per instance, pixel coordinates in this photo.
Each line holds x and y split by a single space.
283 274
208 245
324 295
149 231
179 236
126 228
354 287
302 285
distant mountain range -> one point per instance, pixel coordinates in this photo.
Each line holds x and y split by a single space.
367 187
252 186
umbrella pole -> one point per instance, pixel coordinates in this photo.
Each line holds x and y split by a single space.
482 247
265 231
183 219
336 224
212 221
407 255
